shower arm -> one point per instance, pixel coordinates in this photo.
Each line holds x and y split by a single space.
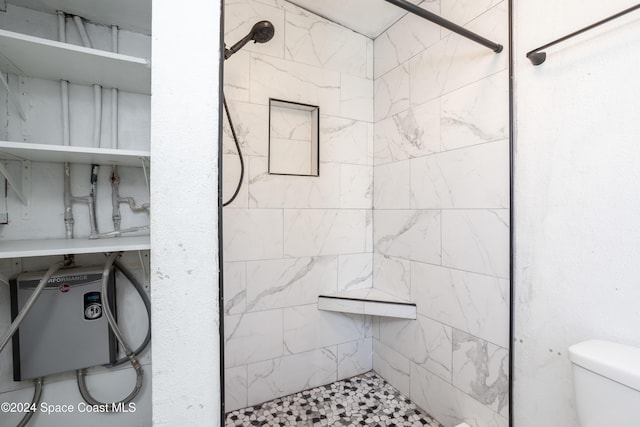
236 47
409 7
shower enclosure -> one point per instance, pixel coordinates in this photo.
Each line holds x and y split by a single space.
412 200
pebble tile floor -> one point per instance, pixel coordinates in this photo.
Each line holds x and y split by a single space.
364 400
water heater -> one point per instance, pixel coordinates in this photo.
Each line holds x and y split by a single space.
66 328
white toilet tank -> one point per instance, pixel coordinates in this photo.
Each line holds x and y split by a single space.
606 381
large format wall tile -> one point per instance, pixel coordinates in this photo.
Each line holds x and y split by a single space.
235 287
466 178
344 140
355 271
409 234
391 185
356 97
392 366
291 81
463 11
253 337
289 374
476 240
231 170
236 77
391 93
355 358
356 186
470 302
434 73
423 341
411 133
481 370
286 282
408 37
251 234
392 275
250 122
235 388
312 232
307 328
449 405
324 44
284 191
476 113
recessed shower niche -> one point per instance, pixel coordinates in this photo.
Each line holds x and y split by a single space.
293 138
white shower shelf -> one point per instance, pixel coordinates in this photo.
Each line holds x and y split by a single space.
47 247
368 301
30 56
60 153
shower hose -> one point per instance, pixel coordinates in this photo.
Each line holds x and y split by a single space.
235 140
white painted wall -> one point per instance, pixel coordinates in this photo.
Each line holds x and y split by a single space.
41 100
576 202
184 228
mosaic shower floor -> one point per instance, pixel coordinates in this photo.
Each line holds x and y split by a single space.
364 400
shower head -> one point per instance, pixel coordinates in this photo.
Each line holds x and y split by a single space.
261 32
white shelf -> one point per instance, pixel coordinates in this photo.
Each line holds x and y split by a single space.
368 301
60 153
31 248
47 59
134 15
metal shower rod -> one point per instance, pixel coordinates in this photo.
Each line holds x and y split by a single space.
536 57
410 7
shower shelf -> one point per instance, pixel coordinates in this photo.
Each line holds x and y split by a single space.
368 301
30 56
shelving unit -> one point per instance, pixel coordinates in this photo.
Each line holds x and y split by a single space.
47 247
36 57
52 60
58 153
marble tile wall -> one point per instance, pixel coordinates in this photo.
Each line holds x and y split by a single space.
441 211
286 239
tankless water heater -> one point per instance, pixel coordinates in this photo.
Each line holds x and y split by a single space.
66 329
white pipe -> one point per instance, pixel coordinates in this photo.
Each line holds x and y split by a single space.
64 91
97 115
144 170
115 198
114 93
118 233
66 136
68 206
83 33
62 26
114 118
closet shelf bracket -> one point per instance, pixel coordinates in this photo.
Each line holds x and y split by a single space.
22 190
15 101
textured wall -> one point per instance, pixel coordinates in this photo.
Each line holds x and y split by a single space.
576 201
184 228
289 238
441 219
